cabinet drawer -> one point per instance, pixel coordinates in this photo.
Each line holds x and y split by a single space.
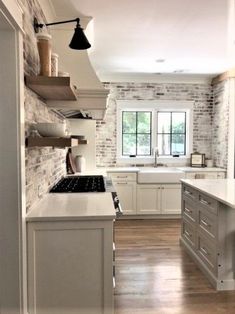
123 176
189 210
207 223
209 203
188 233
189 192
206 250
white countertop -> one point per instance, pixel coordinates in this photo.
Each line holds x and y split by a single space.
73 206
122 169
223 190
196 169
147 168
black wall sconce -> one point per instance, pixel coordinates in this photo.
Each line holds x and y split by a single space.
79 40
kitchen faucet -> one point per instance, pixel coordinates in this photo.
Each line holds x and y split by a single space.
156 155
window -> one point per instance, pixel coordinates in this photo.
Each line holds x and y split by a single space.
136 133
171 133
145 124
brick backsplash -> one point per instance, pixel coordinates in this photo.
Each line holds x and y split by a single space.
44 166
200 94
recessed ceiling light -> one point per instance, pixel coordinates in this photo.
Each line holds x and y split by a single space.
182 71
179 71
160 60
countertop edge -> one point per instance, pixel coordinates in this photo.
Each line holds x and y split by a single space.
183 169
70 218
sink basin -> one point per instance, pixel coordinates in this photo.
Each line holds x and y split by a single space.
160 175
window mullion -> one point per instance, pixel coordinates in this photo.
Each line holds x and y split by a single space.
171 135
136 134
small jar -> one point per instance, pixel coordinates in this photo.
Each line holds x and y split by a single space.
54 64
80 162
209 163
44 50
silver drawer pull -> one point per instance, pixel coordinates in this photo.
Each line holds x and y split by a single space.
122 177
188 234
205 223
121 183
204 202
188 210
188 192
204 251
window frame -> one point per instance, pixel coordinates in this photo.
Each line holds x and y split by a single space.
136 133
171 133
154 106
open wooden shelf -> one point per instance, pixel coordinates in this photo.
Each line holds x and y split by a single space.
60 142
51 87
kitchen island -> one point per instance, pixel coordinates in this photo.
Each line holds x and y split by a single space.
70 254
208 228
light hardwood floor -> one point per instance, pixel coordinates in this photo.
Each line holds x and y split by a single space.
154 275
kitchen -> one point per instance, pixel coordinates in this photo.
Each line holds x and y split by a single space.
37 169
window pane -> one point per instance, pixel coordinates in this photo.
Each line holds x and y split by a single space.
178 144
129 144
178 122
143 146
164 122
163 143
144 122
129 122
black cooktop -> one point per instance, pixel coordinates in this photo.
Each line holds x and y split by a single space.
78 184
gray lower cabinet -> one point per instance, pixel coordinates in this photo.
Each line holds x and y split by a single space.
70 267
208 235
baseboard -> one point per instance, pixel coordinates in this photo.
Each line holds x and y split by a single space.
218 284
149 217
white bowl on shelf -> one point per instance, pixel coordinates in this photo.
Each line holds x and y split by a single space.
52 129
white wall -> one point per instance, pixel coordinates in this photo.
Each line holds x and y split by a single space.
88 129
12 161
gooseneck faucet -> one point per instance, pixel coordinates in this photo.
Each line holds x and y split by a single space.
156 155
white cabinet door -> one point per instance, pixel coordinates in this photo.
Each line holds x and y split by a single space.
171 199
148 199
126 192
70 267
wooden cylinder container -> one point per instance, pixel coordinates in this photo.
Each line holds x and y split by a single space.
44 50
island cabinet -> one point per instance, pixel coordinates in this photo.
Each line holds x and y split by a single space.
70 267
208 235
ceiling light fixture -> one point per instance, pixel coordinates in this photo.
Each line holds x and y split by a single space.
79 40
179 71
161 60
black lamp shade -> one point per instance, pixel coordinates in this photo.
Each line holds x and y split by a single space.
79 40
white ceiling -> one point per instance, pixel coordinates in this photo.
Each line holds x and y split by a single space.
130 35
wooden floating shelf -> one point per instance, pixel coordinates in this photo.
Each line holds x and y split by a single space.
60 142
51 87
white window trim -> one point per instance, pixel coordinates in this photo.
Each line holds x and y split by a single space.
154 106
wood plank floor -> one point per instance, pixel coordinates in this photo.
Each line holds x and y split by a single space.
154 275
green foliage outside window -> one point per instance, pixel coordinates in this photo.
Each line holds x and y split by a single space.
136 133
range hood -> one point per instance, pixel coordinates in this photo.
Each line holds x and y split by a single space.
91 95
90 104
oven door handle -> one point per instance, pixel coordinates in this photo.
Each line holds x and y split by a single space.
119 211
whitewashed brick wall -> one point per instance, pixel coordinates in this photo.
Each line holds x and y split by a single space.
220 124
201 94
44 166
